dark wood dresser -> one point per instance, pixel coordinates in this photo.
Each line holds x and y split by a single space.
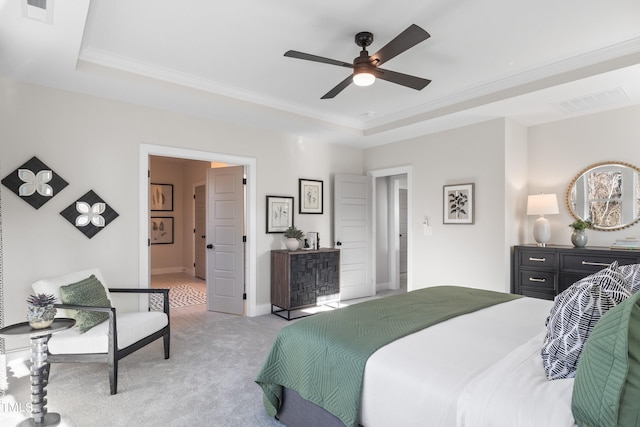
544 272
303 278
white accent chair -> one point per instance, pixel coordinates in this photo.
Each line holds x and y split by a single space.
111 340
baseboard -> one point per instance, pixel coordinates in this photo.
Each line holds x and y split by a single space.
170 270
263 309
383 286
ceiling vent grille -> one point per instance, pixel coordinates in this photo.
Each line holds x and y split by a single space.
40 10
609 98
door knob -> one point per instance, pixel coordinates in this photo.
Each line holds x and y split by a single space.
338 243
209 246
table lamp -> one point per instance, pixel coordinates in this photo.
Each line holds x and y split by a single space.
542 204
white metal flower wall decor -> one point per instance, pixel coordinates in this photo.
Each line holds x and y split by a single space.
34 182
89 214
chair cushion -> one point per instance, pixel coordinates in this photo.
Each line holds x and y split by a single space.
89 291
52 285
132 327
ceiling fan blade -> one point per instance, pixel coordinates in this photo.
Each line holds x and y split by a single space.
403 41
413 82
339 88
315 58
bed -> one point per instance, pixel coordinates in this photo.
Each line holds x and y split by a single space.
479 366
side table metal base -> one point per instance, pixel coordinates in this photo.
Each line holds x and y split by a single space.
51 419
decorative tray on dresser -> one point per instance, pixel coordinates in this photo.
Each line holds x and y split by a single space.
544 272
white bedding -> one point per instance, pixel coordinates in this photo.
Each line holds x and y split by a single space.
428 377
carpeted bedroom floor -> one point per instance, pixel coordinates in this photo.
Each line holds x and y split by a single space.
208 381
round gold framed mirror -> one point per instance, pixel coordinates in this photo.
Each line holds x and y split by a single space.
607 194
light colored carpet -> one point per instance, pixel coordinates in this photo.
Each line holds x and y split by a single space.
179 296
208 381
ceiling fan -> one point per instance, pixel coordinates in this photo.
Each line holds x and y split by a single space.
366 68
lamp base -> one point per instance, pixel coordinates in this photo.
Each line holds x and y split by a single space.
541 231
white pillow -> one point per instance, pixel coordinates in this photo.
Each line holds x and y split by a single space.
631 274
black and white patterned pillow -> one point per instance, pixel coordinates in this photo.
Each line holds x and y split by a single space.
574 315
631 275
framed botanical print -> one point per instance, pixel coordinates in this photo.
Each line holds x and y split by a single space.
161 197
161 230
279 213
458 204
310 195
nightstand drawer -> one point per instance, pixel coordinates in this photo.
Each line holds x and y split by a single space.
538 259
537 279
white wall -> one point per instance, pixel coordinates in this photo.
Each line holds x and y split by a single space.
470 255
94 144
558 151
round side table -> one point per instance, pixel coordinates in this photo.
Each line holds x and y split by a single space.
39 368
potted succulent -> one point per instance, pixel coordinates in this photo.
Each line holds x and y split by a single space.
293 236
40 310
579 236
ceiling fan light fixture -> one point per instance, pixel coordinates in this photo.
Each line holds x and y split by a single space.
363 78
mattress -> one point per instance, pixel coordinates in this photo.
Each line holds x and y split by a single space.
482 368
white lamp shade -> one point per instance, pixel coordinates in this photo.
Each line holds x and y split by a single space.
542 204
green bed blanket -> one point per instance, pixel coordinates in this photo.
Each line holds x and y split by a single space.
323 357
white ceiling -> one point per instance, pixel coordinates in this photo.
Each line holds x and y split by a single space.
224 60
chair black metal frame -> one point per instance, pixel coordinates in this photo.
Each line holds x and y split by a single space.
114 355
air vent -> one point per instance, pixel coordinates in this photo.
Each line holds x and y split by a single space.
40 10
596 101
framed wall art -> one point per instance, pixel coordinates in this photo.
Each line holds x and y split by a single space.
458 204
161 230
311 196
161 197
279 213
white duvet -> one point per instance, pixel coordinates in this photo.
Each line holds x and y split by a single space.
480 369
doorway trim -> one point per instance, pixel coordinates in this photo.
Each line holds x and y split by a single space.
249 163
408 170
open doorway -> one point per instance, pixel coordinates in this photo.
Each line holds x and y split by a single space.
392 222
186 157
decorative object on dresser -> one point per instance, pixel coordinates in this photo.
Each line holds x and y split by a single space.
458 202
544 272
579 236
302 279
542 204
607 194
293 237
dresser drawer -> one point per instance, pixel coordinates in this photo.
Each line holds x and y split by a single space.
541 280
592 263
537 293
538 259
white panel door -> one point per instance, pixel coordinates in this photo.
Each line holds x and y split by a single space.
352 231
225 229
